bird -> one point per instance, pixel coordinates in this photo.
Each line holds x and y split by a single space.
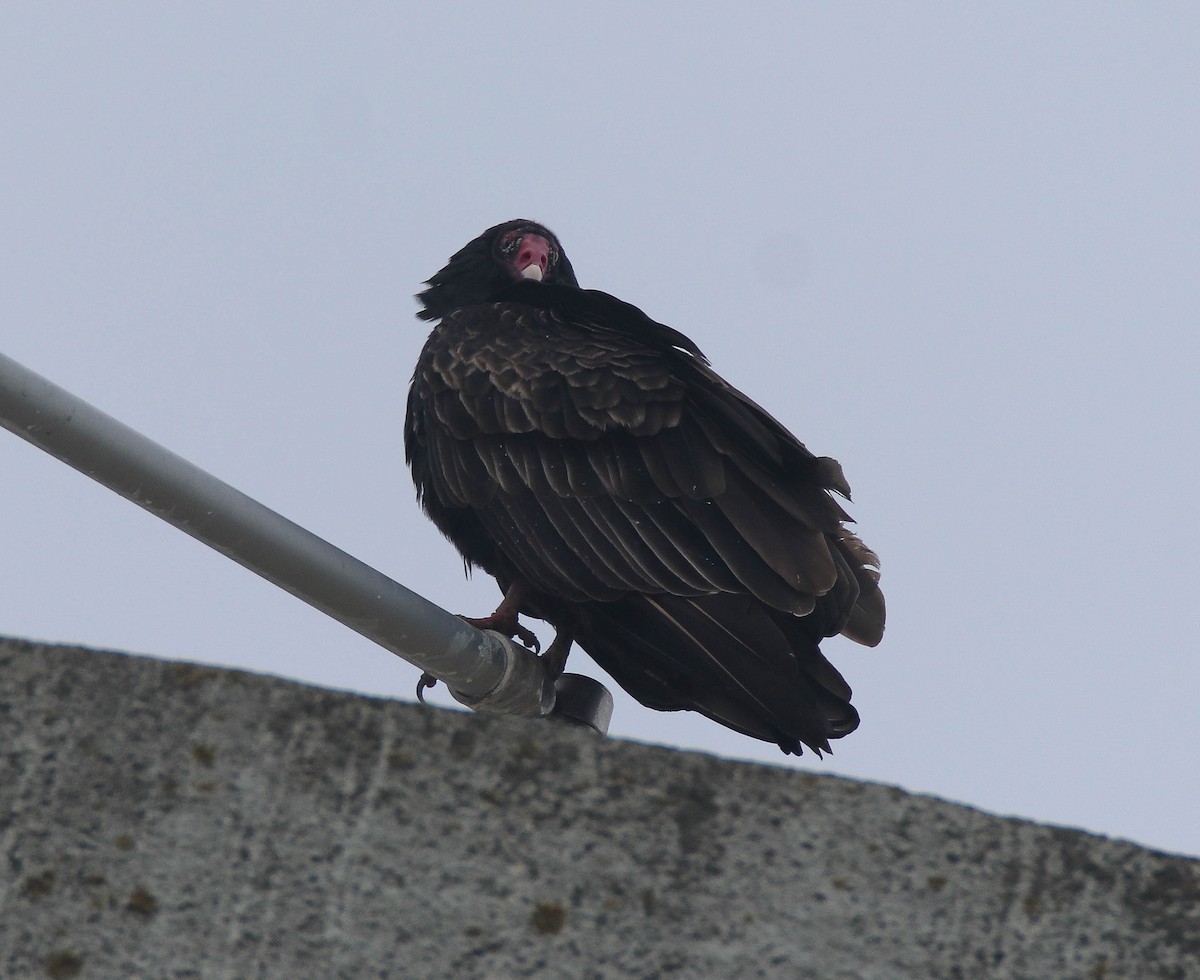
617 488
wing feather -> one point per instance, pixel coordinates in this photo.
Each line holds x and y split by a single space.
774 534
627 535
617 467
753 573
680 545
608 561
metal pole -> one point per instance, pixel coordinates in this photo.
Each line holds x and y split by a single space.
484 670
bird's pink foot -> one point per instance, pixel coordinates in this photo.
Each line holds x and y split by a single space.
505 618
505 624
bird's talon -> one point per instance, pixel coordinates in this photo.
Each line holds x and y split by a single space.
427 681
526 636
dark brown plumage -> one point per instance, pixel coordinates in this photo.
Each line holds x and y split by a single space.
616 487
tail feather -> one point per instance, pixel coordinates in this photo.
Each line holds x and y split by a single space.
750 667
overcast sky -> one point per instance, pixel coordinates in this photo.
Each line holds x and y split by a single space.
957 248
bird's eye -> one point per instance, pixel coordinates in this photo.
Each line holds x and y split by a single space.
553 258
509 243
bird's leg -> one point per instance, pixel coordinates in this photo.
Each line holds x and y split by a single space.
504 619
555 657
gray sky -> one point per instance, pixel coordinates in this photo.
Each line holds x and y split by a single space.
957 248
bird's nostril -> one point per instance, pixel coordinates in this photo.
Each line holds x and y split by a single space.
529 256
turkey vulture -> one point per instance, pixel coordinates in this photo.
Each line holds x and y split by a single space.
619 489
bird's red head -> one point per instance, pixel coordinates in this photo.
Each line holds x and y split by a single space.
504 254
528 254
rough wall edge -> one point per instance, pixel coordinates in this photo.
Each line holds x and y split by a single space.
165 818
32 645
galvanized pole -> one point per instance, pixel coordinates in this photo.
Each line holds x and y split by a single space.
483 669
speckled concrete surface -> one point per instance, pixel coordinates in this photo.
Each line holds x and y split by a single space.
164 820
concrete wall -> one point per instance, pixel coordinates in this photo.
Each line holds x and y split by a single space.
165 820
